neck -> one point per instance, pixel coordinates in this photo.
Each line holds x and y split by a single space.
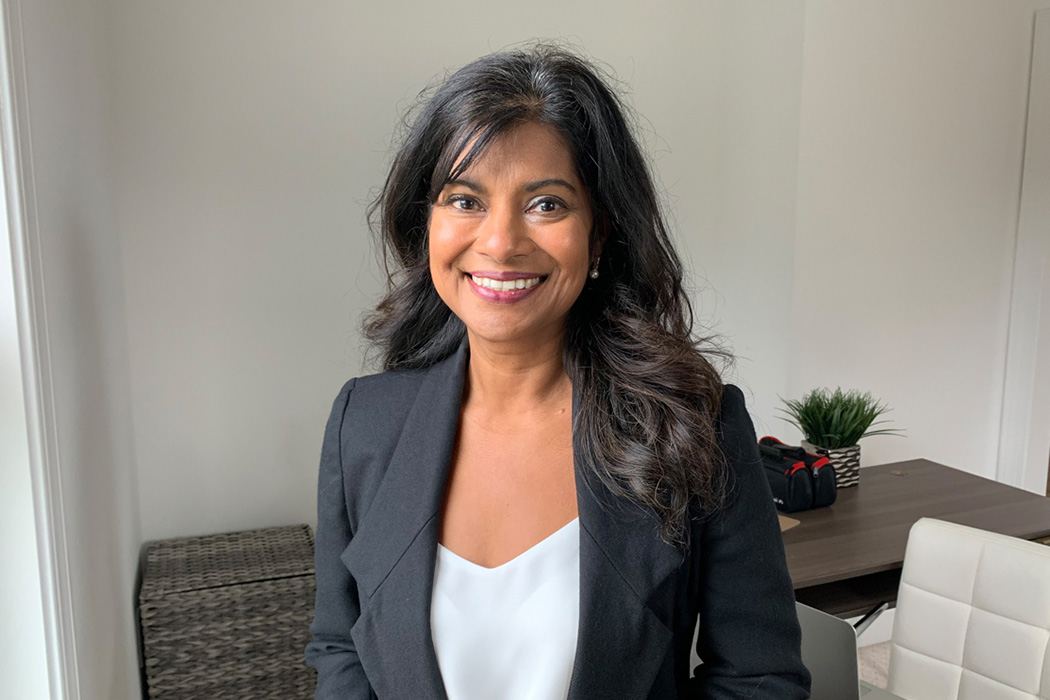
519 379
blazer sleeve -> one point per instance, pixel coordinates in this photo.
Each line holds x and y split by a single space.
749 638
331 650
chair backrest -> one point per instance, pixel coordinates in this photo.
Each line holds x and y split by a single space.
973 617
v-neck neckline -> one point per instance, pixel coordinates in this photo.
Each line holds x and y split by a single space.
532 551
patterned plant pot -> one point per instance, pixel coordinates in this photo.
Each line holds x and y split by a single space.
846 461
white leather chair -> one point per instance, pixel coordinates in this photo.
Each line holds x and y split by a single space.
973 617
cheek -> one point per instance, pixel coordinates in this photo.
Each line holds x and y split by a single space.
578 267
574 260
437 242
575 253
437 256
444 245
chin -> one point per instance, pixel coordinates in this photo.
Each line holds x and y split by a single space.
512 334
496 335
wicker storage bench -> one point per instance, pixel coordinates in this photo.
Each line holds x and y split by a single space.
226 617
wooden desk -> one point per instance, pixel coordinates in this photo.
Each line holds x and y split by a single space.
847 558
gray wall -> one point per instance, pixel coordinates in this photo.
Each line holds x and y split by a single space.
69 101
250 138
909 174
23 645
843 178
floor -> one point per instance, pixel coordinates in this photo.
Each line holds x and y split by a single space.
874 661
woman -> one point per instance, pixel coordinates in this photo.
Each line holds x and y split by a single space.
549 486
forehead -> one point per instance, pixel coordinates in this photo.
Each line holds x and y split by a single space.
524 152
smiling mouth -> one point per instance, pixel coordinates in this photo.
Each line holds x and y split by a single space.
506 285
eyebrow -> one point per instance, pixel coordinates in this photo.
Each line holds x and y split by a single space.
555 181
531 187
469 184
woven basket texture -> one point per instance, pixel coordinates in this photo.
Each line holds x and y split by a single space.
227 616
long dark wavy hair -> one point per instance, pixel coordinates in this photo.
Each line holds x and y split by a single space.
647 394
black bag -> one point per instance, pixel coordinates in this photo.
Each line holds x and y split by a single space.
799 480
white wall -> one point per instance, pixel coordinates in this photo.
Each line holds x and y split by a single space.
1024 441
909 174
819 157
251 136
790 137
68 101
23 647
740 187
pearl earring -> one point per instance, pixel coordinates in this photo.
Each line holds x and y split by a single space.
594 268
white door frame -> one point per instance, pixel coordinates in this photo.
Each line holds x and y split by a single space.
30 310
1024 436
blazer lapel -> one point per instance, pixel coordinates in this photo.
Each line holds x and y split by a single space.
625 610
625 624
391 556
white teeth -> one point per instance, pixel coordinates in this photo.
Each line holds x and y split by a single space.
505 285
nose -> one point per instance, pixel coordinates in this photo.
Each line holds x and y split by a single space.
503 235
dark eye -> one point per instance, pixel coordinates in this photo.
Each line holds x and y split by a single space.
463 203
548 205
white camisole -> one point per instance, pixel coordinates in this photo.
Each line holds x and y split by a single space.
508 633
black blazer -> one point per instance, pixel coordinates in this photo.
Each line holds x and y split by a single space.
384 464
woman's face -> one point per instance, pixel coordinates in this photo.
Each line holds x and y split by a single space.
510 239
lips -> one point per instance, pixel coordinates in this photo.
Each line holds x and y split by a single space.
504 287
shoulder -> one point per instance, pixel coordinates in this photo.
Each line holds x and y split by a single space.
364 428
744 481
733 407
373 409
372 404
736 433
385 390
